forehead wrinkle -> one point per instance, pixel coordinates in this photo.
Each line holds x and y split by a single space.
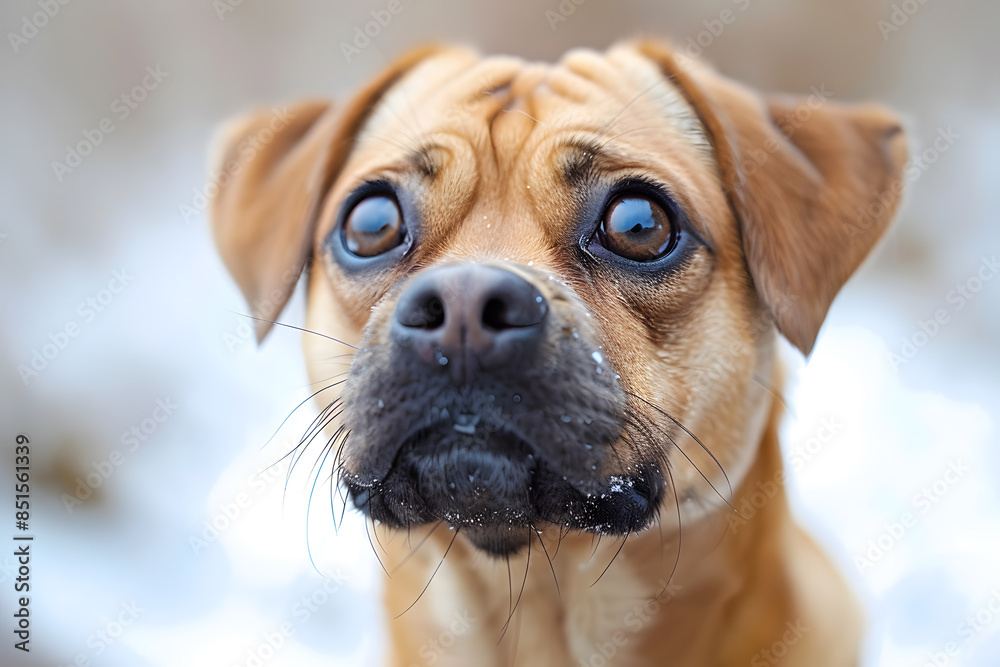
423 161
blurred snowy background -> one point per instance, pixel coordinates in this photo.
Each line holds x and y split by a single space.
897 461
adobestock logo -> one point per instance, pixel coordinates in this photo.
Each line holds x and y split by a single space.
772 655
635 620
912 170
59 340
959 297
714 27
243 155
898 17
566 9
363 35
923 501
758 496
131 440
31 25
105 637
122 107
973 625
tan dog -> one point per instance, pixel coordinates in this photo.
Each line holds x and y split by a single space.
564 284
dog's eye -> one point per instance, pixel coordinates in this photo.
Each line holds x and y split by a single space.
374 226
636 228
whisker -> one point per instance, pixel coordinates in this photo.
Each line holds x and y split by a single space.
415 549
693 437
525 113
313 395
375 532
433 574
327 447
551 566
510 588
326 422
517 637
335 375
292 326
596 546
680 533
334 474
562 534
623 133
775 395
308 508
613 558
703 475
372 544
635 99
527 565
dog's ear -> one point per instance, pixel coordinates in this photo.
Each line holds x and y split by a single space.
272 169
813 184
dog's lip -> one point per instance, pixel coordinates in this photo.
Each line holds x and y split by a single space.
587 494
421 435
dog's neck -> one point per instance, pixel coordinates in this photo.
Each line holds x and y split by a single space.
730 590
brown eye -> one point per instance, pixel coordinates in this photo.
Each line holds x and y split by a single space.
636 228
374 226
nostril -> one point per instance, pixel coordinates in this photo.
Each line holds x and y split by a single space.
495 315
434 313
422 313
519 309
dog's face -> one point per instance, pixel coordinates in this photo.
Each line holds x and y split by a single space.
562 281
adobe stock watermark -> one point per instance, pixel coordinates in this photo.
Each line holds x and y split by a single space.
263 308
432 649
562 12
773 654
364 34
121 108
130 441
243 153
898 17
31 24
223 7
959 296
228 513
751 503
714 27
638 618
755 158
728 360
923 502
107 635
59 340
973 624
302 611
913 169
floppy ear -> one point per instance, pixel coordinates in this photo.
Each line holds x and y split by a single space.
272 169
813 185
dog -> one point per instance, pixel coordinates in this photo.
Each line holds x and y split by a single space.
559 289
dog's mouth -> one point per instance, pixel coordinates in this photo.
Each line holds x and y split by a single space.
497 488
487 405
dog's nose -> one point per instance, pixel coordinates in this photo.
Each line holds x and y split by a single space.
470 317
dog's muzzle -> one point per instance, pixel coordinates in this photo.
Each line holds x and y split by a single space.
492 411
